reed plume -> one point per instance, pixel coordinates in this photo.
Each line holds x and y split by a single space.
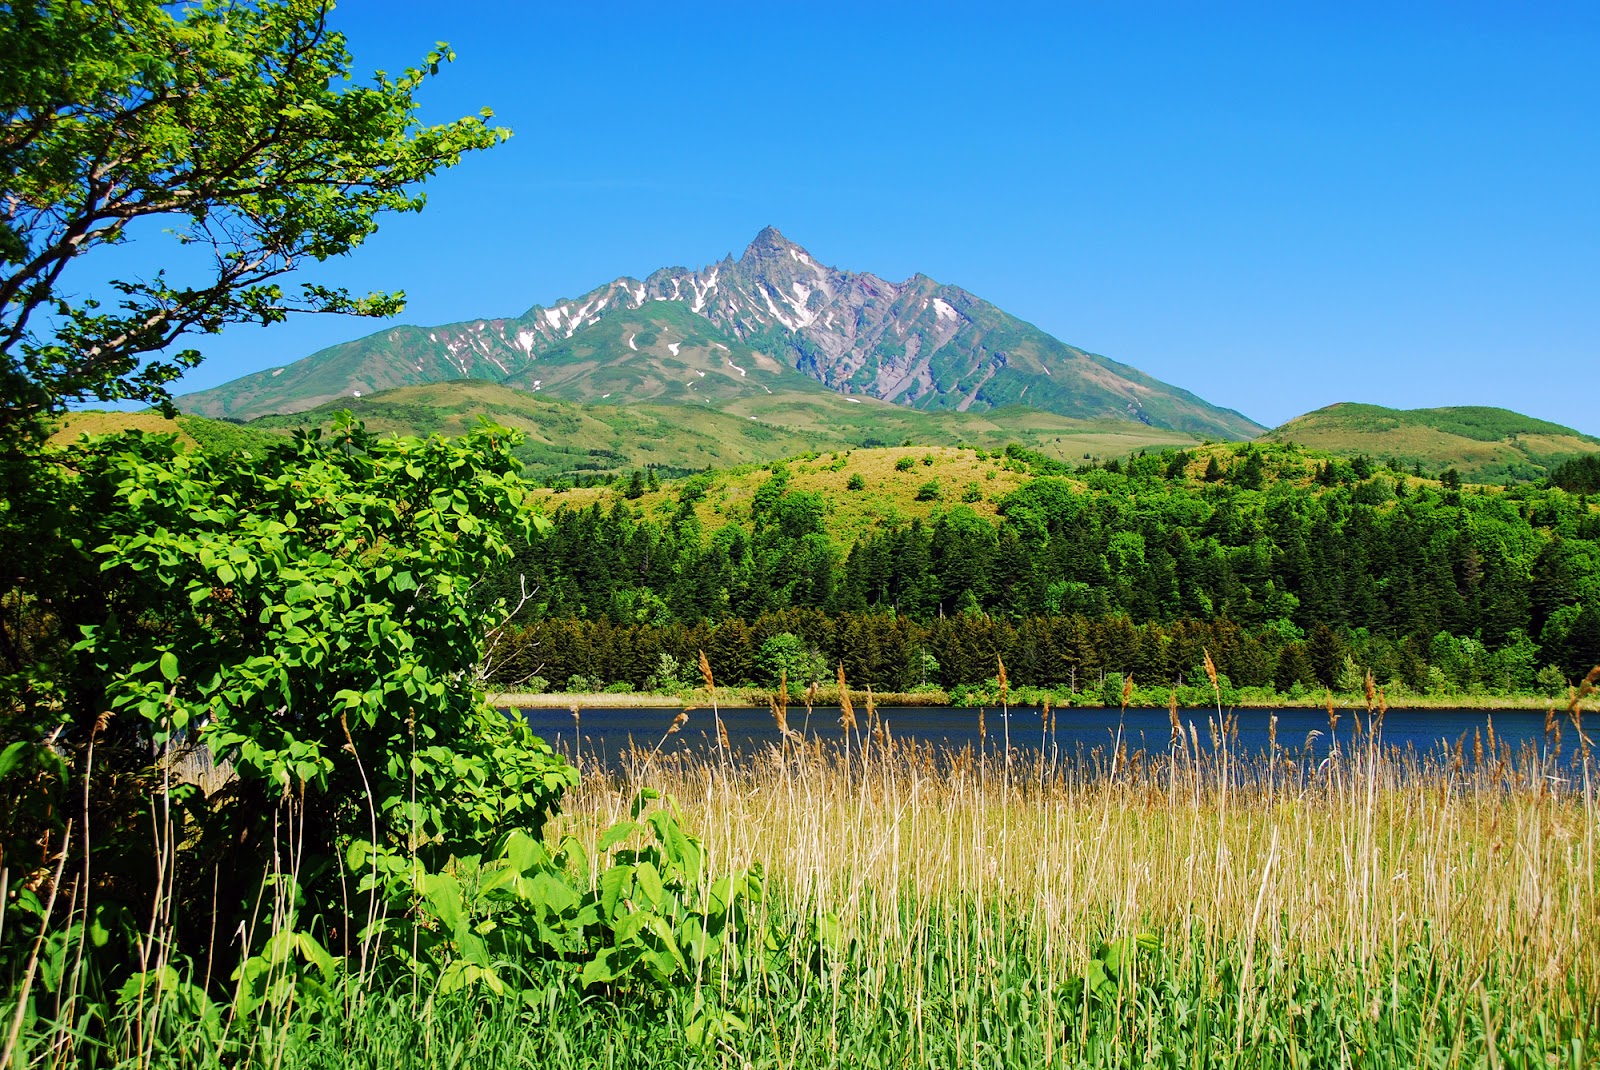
705 673
780 704
847 710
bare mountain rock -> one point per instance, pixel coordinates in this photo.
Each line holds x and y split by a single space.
771 319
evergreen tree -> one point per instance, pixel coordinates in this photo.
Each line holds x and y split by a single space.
1326 652
1294 667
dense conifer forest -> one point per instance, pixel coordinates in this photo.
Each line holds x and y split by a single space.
1294 572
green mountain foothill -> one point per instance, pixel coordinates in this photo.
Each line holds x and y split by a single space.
1481 443
731 426
775 320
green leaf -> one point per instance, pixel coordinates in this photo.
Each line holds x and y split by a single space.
548 891
602 968
11 757
443 895
616 834
614 884
650 883
169 666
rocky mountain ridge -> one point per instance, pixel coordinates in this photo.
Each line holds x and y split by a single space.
918 343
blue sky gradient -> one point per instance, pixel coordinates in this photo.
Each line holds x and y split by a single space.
1276 206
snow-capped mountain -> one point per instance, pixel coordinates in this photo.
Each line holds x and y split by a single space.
775 310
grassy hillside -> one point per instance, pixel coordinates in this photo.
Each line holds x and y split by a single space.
98 422
868 488
566 438
889 493
1484 444
192 431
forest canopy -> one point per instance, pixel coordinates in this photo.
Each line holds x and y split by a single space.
1288 565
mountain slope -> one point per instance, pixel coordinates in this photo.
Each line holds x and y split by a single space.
599 438
917 343
660 352
1484 444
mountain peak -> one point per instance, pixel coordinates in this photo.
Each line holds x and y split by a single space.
915 343
770 244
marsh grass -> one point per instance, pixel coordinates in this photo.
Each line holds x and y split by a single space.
926 906
1432 901
1359 852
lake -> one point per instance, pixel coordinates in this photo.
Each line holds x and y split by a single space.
1079 730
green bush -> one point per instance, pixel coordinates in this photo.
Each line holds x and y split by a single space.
306 615
786 655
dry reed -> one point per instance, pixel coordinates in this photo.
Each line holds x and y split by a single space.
1350 858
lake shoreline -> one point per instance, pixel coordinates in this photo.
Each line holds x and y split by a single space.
759 698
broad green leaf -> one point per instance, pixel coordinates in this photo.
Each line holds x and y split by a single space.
11 757
617 833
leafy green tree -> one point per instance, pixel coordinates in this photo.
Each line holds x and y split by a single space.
788 655
1327 653
229 124
307 614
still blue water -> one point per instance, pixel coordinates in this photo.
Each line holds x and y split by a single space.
602 733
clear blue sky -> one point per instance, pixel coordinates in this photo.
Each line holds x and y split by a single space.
1277 206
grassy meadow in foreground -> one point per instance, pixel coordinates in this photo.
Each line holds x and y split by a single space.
930 907
1361 912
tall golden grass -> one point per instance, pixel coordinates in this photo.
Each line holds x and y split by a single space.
1351 857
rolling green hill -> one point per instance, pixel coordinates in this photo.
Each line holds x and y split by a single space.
740 427
192 431
1484 444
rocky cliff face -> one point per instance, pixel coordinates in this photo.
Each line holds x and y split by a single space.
917 343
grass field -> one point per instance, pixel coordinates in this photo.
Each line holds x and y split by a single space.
97 422
600 438
1486 445
1362 913
893 479
935 908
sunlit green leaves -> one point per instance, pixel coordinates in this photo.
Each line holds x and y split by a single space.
233 123
305 605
